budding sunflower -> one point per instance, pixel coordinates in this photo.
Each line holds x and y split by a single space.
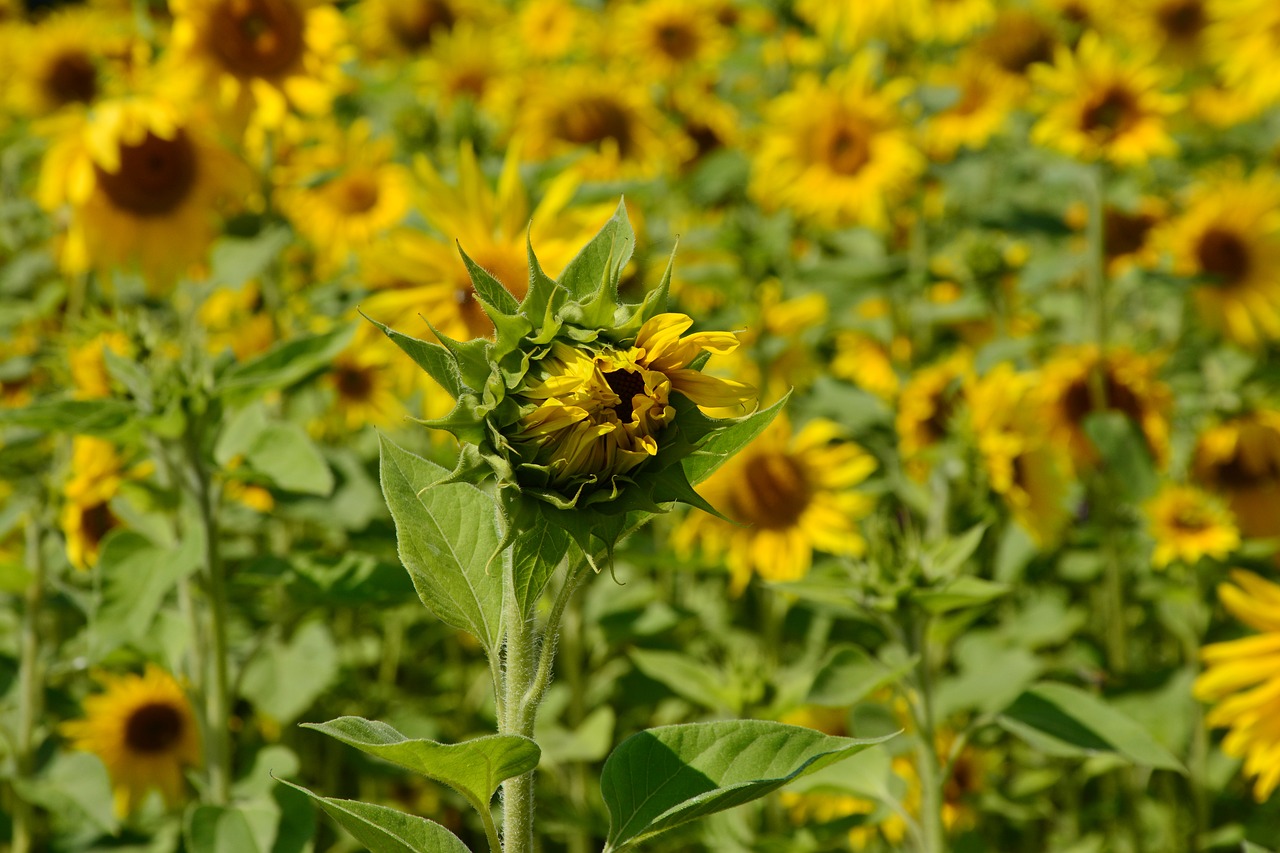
583 408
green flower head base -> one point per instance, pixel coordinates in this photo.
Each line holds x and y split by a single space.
583 408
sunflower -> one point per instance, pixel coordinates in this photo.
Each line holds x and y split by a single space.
1027 470
257 58
1177 27
837 153
1229 238
1188 524
1244 39
926 407
237 319
1129 233
1242 679
143 729
142 182
596 414
984 98
1017 41
64 60
948 21
88 363
1125 381
795 494
1097 104
87 516
670 38
867 363
344 191
417 273
849 24
1240 459
549 29
368 386
406 27
474 63
600 115
711 122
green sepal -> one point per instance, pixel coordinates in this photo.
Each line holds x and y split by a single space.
489 289
655 301
544 297
437 361
471 358
466 421
598 266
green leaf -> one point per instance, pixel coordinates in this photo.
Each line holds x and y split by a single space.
489 288
963 592
79 417
945 559
688 678
446 535
537 550
136 575
433 358
474 768
849 675
236 260
285 453
599 264
1075 721
716 450
384 830
661 778
248 827
287 677
283 365
1125 454
130 375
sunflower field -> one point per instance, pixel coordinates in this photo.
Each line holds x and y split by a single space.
526 426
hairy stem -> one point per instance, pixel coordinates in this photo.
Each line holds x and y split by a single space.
518 681
31 685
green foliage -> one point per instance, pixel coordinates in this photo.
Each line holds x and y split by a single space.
661 778
136 574
384 830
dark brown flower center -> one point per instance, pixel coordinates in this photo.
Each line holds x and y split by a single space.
1078 401
594 119
1017 41
416 23
354 384
72 78
678 41
154 727
1110 114
257 38
96 521
1125 233
1182 20
154 178
356 194
626 384
1191 520
774 492
1223 255
846 148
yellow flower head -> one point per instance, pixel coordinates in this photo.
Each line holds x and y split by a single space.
1188 524
1244 38
1098 104
1240 459
1242 679
143 183
1230 238
790 495
87 518
836 152
671 38
598 414
928 403
143 729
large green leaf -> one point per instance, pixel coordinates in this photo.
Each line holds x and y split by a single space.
474 768
136 575
664 777
279 450
536 551
446 533
689 678
1068 720
283 365
849 675
384 830
716 450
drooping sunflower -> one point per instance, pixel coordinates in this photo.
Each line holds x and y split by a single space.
594 415
258 58
670 38
1079 381
837 152
87 516
613 127
419 273
1099 105
1229 238
143 729
143 184
1242 679
1188 524
1244 39
985 97
926 406
344 191
1240 459
1027 470
794 493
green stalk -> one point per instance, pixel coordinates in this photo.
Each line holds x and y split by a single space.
517 793
30 686
571 654
931 774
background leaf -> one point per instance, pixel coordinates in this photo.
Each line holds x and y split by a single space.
385 830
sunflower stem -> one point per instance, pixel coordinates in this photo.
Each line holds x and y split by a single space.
217 695
518 681
31 689
931 774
